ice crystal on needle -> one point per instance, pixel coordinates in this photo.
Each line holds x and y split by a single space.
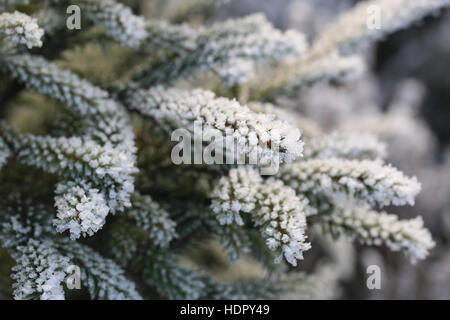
273 207
47 283
20 29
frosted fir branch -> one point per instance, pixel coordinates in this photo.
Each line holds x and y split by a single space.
5 153
298 74
122 247
260 138
345 145
199 224
380 228
333 69
40 271
22 221
81 209
275 210
234 194
26 223
104 168
103 278
107 121
63 85
136 32
20 29
180 39
350 31
149 216
234 43
282 217
236 72
161 269
116 19
234 239
366 180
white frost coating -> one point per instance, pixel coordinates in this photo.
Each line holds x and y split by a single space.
345 145
237 71
282 217
178 38
300 73
80 209
274 208
332 68
40 271
257 37
104 279
105 168
259 137
149 216
350 31
366 180
230 49
242 42
47 78
117 20
20 29
379 228
107 120
235 193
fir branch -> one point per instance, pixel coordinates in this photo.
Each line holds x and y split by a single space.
380 228
49 256
116 19
107 120
104 279
40 271
350 31
299 74
365 180
149 216
261 138
20 29
234 43
275 210
81 209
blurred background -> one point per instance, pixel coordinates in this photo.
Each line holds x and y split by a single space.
405 99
